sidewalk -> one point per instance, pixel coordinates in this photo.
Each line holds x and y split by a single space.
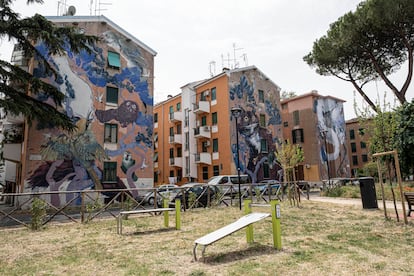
358 202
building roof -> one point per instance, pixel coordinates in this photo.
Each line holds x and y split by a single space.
101 18
229 71
313 93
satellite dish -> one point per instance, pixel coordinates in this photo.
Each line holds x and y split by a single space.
71 10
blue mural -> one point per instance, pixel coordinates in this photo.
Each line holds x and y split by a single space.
80 77
331 124
258 143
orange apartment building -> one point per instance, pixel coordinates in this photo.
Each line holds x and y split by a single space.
195 133
317 124
357 137
109 95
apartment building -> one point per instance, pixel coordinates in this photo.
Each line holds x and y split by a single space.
195 131
357 136
109 95
316 123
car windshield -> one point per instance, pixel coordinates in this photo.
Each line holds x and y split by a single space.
214 180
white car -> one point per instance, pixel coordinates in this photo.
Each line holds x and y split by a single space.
164 191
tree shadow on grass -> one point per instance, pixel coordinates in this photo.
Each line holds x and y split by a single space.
150 231
253 250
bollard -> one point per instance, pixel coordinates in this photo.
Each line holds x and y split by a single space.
177 214
277 237
249 228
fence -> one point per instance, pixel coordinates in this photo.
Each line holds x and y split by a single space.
87 205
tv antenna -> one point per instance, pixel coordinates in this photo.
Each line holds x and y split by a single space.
233 63
98 6
212 67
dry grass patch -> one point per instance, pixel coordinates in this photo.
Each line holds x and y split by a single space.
317 239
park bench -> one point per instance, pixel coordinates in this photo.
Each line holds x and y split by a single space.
409 196
122 214
227 230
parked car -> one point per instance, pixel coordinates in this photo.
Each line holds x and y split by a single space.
228 184
196 195
163 191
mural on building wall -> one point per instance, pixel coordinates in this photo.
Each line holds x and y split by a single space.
253 135
82 78
331 123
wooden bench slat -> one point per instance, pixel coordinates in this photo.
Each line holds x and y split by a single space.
409 196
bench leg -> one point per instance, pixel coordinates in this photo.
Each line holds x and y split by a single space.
195 252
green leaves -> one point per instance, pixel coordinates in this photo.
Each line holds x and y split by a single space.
20 86
368 44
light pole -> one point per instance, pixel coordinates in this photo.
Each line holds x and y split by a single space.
235 112
326 154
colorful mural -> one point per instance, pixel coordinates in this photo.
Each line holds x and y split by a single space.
257 144
74 161
331 124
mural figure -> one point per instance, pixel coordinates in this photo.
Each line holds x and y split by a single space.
125 114
331 123
257 145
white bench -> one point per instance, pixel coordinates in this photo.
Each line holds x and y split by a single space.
134 212
227 230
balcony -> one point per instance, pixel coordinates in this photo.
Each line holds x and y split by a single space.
175 117
201 107
176 139
176 162
202 132
203 158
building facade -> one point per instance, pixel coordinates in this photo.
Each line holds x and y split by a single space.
358 137
316 123
109 95
202 138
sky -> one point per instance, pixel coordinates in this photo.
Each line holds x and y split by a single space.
197 38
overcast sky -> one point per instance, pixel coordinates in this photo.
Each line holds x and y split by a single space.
189 35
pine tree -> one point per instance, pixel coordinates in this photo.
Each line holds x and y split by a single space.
20 87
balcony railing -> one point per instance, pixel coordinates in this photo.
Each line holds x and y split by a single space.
202 132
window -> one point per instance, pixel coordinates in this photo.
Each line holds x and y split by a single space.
112 95
214 118
263 145
205 173
171 110
216 170
156 118
261 96
179 175
354 160
109 173
364 158
262 122
178 106
204 146
353 147
215 145
114 60
203 96
266 171
297 136
171 173
296 118
284 106
213 94
111 133
178 129
187 141
187 117
285 124
179 152
363 145
171 131
204 121
351 134
171 153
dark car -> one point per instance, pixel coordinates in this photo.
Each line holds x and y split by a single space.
265 186
196 195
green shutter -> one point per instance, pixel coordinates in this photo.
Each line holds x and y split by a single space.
114 59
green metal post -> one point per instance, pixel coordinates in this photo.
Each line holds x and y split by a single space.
277 237
166 217
249 229
177 214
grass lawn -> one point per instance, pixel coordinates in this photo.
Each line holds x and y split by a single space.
318 239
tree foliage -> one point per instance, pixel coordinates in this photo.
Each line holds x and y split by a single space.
404 138
21 87
368 44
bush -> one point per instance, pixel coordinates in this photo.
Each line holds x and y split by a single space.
38 213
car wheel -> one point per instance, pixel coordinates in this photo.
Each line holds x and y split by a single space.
151 201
